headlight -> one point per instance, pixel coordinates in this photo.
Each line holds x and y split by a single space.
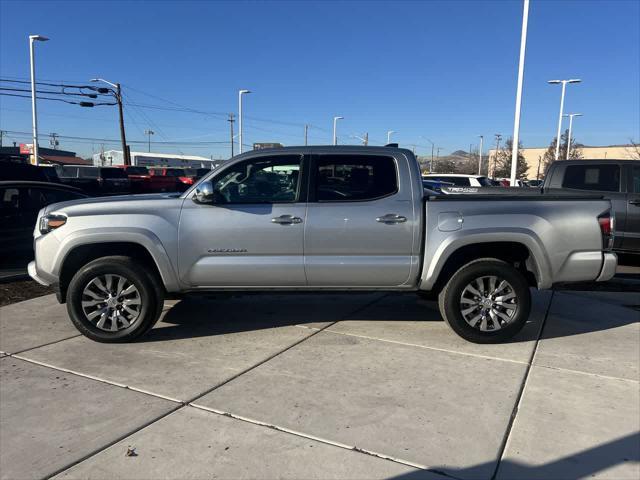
51 222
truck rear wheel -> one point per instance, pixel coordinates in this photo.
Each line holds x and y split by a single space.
486 301
114 299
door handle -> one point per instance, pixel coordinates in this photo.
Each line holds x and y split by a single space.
391 218
286 220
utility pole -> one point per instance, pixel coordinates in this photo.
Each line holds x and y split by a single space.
117 93
53 140
366 139
438 155
306 133
480 159
1 134
495 157
231 120
149 133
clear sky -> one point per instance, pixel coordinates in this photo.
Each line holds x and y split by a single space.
444 70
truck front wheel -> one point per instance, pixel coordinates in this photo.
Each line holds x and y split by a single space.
486 301
114 299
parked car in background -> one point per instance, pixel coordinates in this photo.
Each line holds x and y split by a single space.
143 182
24 171
460 180
179 178
435 185
20 202
341 218
95 181
616 180
534 183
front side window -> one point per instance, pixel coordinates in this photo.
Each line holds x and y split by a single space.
604 178
635 178
344 178
262 180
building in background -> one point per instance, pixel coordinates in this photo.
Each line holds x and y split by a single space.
146 159
48 156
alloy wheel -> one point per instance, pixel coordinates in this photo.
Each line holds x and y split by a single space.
111 302
488 303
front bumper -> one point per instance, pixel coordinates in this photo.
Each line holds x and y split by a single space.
609 265
33 273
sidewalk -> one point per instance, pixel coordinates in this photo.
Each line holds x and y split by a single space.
324 386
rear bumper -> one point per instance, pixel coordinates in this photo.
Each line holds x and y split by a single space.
609 265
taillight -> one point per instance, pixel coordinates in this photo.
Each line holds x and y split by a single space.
607 229
187 180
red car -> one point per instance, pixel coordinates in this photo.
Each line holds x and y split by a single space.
179 176
143 181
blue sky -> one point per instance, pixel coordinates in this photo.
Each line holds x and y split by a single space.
442 70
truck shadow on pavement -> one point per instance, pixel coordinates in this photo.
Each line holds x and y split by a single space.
202 316
583 464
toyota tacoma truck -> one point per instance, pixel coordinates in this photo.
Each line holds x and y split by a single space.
319 218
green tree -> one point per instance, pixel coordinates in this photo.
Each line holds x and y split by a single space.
550 154
502 168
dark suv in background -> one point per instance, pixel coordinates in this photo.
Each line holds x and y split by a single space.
96 181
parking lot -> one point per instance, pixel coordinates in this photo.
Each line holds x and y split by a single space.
323 386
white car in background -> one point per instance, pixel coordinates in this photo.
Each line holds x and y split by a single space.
461 180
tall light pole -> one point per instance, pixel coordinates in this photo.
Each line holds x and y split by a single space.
495 157
240 93
117 93
570 115
480 159
34 113
389 133
432 148
149 133
516 122
306 133
564 87
335 122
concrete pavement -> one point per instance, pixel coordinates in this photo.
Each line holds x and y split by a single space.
323 386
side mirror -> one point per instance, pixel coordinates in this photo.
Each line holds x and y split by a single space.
204 193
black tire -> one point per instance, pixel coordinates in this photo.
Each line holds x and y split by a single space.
450 305
149 290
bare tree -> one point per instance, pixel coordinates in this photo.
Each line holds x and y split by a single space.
634 150
503 162
550 154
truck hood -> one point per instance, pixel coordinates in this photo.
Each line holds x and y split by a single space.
115 204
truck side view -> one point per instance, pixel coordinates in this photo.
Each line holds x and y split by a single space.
318 218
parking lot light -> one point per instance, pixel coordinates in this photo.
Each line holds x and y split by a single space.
564 87
570 115
34 114
389 133
240 93
335 136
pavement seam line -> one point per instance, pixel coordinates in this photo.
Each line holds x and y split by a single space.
525 380
180 404
608 377
44 344
354 448
97 379
486 357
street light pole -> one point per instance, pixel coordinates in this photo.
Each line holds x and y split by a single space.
123 138
240 93
495 157
306 133
564 87
34 113
335 136
389 135
149 133
480 159
570 115
516 122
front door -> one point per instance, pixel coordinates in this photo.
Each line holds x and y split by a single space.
252 235
360 222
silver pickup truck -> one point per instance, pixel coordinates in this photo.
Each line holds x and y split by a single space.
318 218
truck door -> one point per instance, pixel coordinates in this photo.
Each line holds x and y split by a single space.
252 235
360 222
632 235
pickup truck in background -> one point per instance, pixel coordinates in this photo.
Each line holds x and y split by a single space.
340 218
95 181
616 180
143 182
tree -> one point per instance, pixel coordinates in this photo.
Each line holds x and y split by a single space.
550 154
502 168
634 150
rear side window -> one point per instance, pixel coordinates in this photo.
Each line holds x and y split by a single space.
635 178
344 178
88 172
55 196
457 181
605 178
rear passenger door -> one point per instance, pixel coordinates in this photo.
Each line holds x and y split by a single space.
632 238
360 222
603 178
